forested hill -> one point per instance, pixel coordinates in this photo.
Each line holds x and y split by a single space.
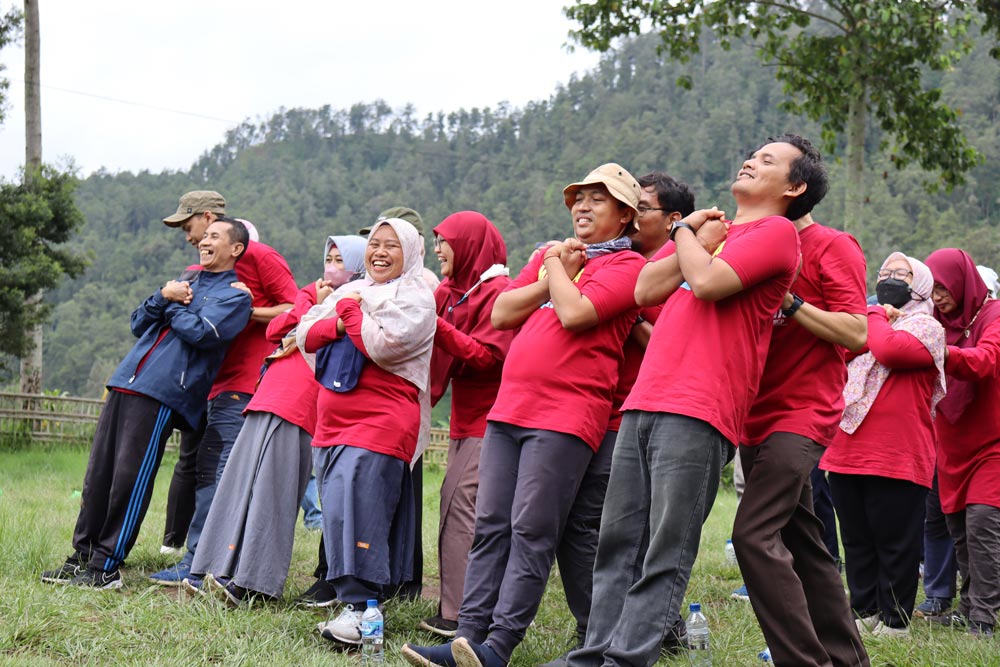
306 173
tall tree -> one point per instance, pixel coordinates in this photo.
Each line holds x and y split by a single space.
31 363
846 64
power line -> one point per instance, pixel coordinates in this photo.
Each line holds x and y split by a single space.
141 104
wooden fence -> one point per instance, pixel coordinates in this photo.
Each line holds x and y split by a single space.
32 418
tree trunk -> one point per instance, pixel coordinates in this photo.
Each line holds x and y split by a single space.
854 193
31 365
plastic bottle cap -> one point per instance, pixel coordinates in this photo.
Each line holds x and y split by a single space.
695 606
372 603
729 541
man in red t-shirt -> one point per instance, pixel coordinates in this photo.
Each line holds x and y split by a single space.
265 275
793 581
686 411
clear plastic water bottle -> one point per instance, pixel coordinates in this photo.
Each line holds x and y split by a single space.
765 656
372 627
699 652
731 554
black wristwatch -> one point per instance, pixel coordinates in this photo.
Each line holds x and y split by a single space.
794 308
678 225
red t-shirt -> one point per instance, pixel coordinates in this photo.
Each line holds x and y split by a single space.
270 280
802 388
896 438
705 359
381 414
289 388
560 380
629 369
969 449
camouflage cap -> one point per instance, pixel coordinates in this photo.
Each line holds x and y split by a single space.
195 202
401 212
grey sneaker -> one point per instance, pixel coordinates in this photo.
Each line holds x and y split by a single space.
346 628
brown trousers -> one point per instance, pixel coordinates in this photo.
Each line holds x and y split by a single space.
458 521
794 585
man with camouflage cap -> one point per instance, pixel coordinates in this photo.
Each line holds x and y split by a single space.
265 275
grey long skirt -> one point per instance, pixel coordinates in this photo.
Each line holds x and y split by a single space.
250 529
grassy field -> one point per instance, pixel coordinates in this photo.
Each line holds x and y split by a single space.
144 624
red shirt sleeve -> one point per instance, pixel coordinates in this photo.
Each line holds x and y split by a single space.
349 310
321 333
277 278
669 248
894 348
612 288
463 347
286 321
979 362
842 276
528 275
775 233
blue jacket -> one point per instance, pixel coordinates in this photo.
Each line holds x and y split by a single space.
180 370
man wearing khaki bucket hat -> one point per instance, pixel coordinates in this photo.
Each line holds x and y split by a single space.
574 305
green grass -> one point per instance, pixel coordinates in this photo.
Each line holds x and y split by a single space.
146 625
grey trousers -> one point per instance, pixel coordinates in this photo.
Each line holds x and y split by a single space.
528 481
664 479
250 528
577 548
976 531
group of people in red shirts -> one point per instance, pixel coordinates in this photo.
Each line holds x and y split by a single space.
595 398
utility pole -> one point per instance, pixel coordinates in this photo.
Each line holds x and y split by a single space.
31 365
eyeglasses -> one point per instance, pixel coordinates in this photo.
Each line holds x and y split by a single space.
643 210
898 274
438 241
940 291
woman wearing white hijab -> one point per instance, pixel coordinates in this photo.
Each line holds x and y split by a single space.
882 462
373 339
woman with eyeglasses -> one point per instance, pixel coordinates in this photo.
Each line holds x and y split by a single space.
881 463
468 354
968 431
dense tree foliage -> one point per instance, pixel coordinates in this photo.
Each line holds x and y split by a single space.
37 218
847 65
305 173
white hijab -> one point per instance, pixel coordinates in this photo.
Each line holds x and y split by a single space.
399 316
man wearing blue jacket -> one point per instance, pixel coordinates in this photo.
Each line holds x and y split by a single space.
183 331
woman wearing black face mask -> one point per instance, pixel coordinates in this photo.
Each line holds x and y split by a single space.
882 462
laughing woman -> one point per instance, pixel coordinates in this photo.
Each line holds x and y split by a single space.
373 338
968 431
246 546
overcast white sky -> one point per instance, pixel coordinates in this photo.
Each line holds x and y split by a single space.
221 62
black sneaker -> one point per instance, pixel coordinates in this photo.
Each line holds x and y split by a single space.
955 620
64 574
676 640
439 626
98 579
320 594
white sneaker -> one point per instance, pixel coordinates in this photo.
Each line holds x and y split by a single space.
867 623
345 628
883 630
175 552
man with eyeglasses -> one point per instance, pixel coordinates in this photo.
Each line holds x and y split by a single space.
663 201
792 579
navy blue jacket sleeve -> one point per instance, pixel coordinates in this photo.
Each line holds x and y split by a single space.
215 324
150 313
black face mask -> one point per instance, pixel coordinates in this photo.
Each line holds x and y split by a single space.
893 292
